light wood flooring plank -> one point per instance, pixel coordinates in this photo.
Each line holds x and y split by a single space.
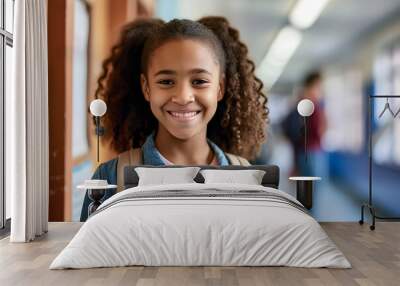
374 255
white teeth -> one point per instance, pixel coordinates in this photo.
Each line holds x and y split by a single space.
183 114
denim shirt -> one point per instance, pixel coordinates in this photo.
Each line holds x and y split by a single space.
108 170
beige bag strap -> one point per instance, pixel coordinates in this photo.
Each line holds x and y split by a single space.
127 158
237 160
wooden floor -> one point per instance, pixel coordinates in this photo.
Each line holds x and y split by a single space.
374 255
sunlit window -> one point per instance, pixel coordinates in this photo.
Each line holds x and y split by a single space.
6 60
82 166
343 105
387 82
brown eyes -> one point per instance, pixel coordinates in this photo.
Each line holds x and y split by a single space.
165 82
199 82
195 82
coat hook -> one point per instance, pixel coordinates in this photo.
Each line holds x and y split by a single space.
387 107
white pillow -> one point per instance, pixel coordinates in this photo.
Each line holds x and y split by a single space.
248 177
162 176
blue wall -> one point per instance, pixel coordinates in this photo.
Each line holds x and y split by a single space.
352 170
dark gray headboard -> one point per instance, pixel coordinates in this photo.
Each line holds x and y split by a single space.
270 179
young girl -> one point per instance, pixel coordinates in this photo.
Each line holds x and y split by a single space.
182 92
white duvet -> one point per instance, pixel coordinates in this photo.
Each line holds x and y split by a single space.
184 230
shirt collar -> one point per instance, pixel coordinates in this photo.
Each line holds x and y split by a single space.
152 157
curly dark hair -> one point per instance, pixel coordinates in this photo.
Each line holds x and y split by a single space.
239 124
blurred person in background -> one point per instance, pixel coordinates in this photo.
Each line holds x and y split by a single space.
293 127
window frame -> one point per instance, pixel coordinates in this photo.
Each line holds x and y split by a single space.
6 39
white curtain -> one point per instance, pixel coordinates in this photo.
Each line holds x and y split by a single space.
27 123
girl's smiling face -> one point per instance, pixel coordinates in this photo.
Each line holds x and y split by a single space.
183 85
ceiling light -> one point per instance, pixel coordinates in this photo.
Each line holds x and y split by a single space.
306 12
278 55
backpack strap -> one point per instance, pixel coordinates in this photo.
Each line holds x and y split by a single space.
131 157
237 160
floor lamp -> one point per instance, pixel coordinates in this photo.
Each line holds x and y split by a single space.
96 188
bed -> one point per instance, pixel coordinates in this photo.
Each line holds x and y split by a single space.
201 224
